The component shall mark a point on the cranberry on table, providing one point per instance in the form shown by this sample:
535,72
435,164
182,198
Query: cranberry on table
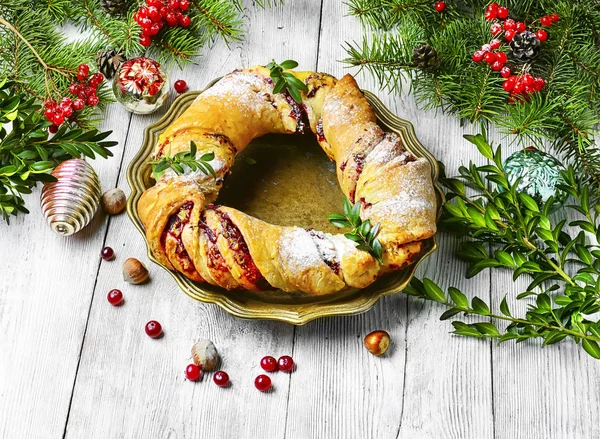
180,86
285,363
440,6
153,329
107,253
268,363
192,372
262,383
221,378
115,297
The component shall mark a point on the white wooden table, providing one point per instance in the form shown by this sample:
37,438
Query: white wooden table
72,366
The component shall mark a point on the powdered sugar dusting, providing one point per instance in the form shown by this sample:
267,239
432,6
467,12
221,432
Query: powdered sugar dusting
299,250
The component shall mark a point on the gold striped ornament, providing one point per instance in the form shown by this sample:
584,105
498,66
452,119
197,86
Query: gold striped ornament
70,203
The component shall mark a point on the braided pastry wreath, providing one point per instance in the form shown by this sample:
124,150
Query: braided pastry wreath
225,247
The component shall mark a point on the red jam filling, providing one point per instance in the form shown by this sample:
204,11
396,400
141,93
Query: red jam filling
215,259
320,133
331,263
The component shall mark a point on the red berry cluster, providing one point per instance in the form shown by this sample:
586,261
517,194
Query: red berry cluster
84,90
158,13
523,84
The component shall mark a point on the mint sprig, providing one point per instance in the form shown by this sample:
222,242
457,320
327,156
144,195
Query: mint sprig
362,232
285,80
184,158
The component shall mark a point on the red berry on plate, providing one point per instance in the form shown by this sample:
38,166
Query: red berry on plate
510,34
546,21
269,364
502,12
440,6
180,86
153,329
53,128
496,28
262,383
115,297
495,43
221,378
541,35
192,372
489,57
501,57
285,363
185,21
505,72
145,40
520,26
509,24
478,56
107,253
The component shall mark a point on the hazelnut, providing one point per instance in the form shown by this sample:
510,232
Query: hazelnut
134,271
205,354
377,342
114,201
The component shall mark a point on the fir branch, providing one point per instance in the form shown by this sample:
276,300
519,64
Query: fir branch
362,233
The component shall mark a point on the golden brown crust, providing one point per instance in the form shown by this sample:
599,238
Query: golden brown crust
228,248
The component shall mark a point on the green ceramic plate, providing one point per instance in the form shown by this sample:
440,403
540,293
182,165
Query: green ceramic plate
285,180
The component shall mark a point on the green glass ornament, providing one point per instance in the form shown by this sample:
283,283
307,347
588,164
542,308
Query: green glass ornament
539,173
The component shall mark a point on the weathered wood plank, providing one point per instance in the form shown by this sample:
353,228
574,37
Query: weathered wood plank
132,386
45,294
431,384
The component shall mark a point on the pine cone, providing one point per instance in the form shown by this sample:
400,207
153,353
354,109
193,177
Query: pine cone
113,7
109,61
524,47
425,57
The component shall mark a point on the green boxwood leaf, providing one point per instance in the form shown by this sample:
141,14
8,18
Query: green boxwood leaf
591,347
479,306
433,291
458,298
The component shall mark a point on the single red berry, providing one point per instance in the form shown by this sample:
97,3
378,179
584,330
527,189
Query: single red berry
492,7
505,72
495,43
262,383
555,17
221,378
73,89
145,40
172,19
115,297
285,363
440,6
154,29
519,87
541,35
185,21
53,128
107,253
497,66
478,56
184,5
510,34
153,329
143,12
68,111
489,16
508,85
520,26
268,363
93,100
496,28
49,114
502,12
156,3
546,21
154,13
486,48
78,104
527,79
173,4
539,83
192,372
501,57
509,24
180,86
489,57
58,119
164,11
84,68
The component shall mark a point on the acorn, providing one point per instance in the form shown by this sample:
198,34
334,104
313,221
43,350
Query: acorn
205,354
377,342
134,271
114,201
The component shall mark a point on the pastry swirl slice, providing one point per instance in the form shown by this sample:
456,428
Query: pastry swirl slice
227,248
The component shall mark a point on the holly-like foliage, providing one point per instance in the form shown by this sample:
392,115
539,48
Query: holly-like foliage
503,229
564,114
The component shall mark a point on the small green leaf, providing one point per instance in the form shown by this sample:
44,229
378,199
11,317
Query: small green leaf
288,64
461,328
482,145
433,291
479,306
458,298
591,347
529,202
449,313
504,307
